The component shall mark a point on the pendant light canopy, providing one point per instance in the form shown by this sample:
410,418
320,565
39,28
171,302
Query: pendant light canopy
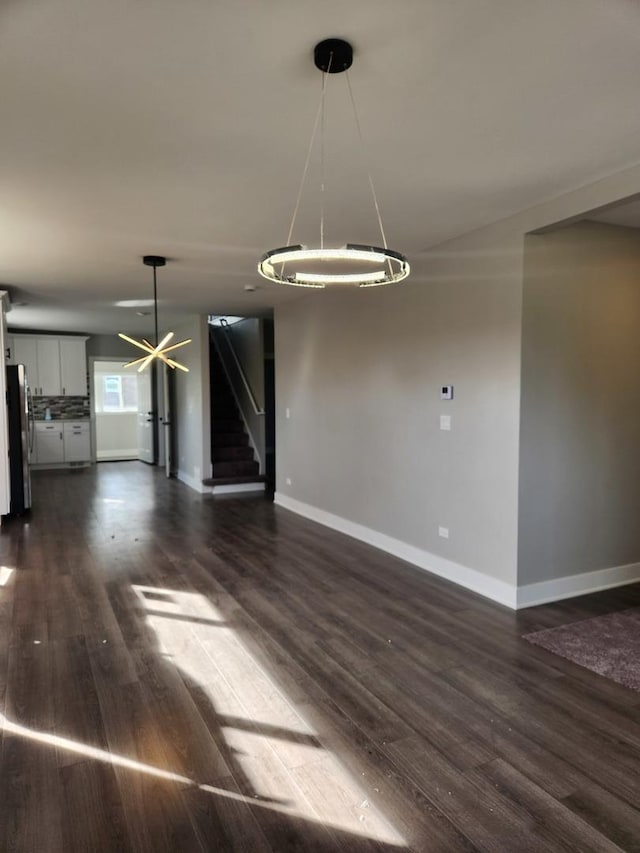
351,264
160,350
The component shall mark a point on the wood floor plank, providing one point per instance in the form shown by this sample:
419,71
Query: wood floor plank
182,672
569,831
92,802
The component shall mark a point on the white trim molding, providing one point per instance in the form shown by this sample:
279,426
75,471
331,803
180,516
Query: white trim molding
496,590
236,488
117,455
574,585
193,483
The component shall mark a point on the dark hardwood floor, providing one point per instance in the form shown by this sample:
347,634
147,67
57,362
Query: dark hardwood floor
184,673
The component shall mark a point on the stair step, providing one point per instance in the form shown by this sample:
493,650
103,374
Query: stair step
224,414
238,468
228,425
228,481
227,404
226,454
230,439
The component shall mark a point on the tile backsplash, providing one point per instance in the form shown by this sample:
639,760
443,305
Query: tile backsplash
61,408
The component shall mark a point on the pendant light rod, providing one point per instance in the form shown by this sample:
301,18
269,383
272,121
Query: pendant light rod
155,261
155,304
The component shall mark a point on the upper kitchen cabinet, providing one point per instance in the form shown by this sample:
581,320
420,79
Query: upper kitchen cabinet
73,367
25,351
48,359
56,366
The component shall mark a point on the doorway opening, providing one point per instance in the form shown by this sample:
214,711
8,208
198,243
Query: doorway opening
123,413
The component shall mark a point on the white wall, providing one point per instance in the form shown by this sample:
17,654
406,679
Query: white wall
580,439
360,373
248,343
116,435
110,346
192,417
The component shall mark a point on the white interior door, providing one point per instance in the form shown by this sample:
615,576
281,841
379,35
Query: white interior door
145,417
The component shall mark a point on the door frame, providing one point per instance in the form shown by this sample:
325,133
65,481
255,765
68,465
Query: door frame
92,396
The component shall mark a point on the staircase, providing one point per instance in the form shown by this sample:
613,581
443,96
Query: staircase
232,457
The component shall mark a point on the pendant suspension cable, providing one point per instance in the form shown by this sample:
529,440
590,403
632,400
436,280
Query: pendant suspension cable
306,165
373,189
322,168
325,74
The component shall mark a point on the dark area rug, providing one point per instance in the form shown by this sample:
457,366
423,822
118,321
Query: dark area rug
608,645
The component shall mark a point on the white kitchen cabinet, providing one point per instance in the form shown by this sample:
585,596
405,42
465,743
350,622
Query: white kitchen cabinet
41,357
25,351
48,355
77,441
73,367
56,366
49,447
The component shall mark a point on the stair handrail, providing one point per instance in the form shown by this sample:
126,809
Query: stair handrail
225,326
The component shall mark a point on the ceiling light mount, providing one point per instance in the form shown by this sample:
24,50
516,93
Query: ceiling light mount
333,56
154,261
353,263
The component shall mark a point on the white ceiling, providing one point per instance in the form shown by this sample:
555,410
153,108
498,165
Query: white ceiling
180,128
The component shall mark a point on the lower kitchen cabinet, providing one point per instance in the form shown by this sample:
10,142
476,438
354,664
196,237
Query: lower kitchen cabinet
62,442
77,441
49,445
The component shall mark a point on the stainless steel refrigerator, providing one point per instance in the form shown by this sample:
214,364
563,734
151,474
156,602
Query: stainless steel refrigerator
21,433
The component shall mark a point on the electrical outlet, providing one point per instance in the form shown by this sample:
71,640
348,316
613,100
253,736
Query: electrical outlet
288,481
445,422
287,413
443,532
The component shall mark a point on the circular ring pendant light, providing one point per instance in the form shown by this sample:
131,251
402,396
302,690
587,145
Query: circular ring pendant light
352,264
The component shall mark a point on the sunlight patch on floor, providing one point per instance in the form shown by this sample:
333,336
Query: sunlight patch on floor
92,752
88,751
5,574
273,746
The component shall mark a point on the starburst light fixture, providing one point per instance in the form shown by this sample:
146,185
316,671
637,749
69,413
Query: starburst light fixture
352,264
160,350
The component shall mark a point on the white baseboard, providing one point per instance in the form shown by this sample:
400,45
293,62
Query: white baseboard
193,483
492,588
574,585
236,488
117,455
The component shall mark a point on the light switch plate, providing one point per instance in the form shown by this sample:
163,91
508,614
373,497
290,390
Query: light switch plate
445,422
446,392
